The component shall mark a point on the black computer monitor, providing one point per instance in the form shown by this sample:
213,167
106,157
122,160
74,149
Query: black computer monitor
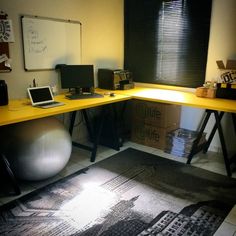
77,77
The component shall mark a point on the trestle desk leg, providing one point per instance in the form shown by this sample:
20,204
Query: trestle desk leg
211,136
10,174
233,115
94,134
223,145
88,124
233,158
72,122
95,131
195,147
115,127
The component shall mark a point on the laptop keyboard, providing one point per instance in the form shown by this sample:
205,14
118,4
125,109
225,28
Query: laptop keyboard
51,104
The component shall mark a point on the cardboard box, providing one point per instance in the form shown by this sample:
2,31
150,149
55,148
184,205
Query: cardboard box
230,64
150,135
156,114
228,71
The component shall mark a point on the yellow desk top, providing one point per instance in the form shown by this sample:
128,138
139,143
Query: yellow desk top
180,98
21,110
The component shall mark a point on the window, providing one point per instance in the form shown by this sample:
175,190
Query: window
166,41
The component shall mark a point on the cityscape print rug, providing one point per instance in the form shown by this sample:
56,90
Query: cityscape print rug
130,193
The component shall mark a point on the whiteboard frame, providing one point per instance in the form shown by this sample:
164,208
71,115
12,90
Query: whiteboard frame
38,67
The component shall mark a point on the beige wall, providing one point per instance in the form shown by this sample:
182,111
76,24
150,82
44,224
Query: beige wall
102,36
222,43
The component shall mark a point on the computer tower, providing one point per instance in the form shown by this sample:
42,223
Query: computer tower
113,132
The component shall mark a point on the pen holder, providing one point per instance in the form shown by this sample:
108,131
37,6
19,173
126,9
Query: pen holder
205,92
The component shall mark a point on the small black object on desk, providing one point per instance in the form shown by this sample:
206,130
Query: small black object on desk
3,93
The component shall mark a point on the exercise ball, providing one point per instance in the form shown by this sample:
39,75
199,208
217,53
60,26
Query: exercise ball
37,149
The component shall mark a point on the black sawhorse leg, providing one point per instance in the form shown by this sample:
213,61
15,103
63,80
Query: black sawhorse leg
233,158
6,166
197,148
96,130
94,134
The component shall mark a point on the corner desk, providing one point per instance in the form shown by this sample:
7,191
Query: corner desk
20,110
213,106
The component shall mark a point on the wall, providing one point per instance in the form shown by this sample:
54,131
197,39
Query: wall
222,44
102,36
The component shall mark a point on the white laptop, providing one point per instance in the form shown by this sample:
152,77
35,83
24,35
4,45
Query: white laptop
42,97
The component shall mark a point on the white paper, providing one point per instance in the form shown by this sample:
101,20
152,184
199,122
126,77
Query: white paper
3,58
7,61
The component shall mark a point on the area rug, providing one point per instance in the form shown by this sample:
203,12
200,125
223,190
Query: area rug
130,193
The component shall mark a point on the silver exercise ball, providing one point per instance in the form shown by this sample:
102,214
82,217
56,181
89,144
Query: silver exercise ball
37,149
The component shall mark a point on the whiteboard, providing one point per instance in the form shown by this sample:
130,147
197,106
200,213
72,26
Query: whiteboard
48,42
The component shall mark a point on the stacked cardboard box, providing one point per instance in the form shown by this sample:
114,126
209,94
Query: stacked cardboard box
179,142
228,71
152,121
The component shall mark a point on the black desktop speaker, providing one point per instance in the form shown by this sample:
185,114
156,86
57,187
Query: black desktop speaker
111,136
106,79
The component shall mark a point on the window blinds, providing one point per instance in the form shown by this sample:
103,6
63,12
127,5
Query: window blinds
166,41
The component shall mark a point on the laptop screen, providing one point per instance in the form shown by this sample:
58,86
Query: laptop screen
40,95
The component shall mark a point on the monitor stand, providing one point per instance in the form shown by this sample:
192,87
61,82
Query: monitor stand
82,90
80,93
75,91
